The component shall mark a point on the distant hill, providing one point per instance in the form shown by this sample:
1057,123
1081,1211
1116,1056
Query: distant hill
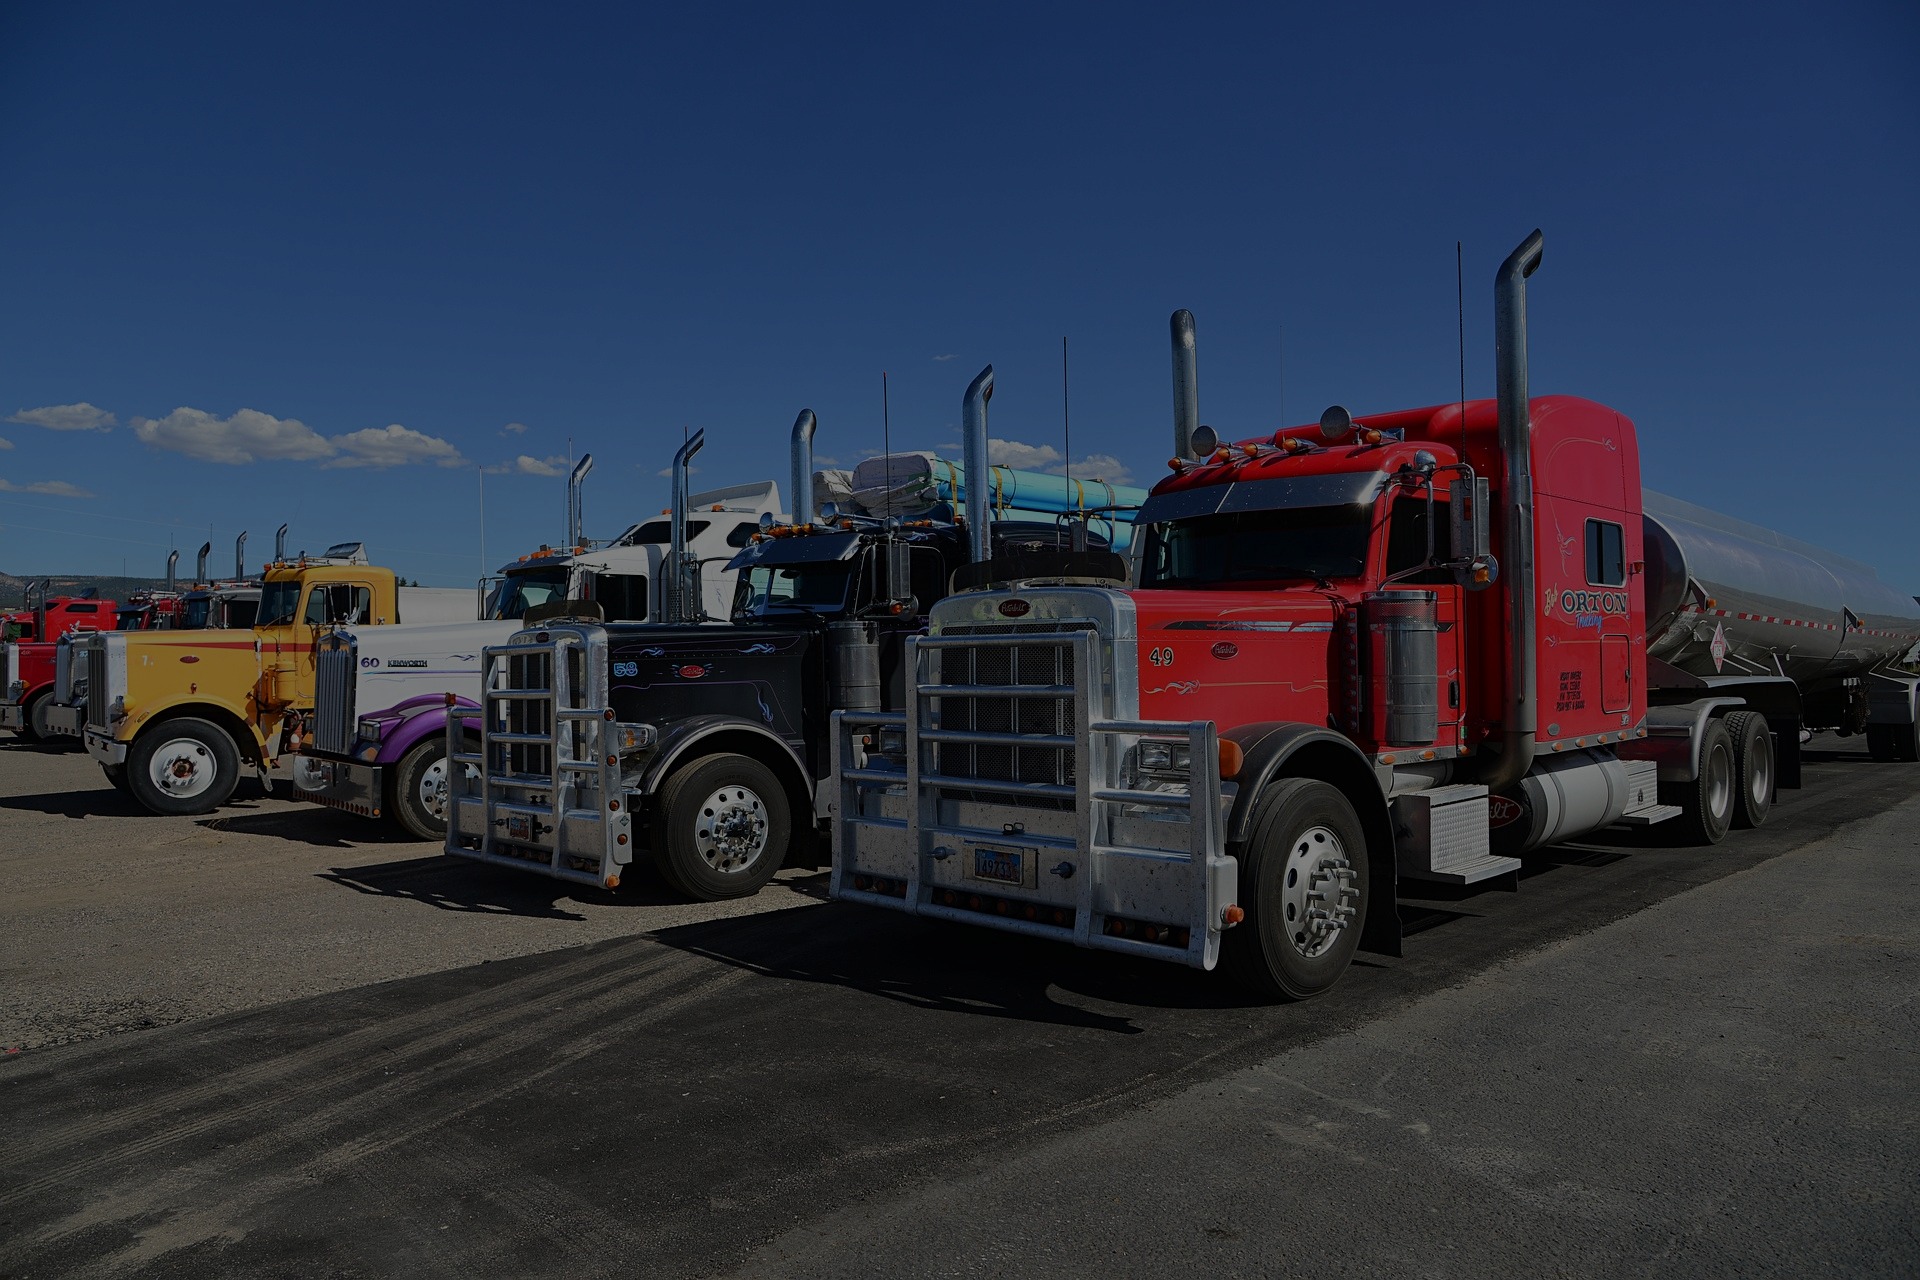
13,587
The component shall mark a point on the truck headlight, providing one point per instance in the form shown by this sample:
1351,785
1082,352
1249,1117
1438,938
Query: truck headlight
1163,757
370,730
631,738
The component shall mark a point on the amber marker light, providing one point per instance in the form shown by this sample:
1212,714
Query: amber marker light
1231,758
1232,914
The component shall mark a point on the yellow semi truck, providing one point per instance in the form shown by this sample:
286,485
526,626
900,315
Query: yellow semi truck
172,716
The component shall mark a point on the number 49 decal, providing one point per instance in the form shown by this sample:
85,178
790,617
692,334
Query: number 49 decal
1161,657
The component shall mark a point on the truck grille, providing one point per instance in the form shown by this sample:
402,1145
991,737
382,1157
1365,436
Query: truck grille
335,667
98,698
1036,664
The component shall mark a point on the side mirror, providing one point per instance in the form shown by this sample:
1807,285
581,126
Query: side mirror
899,582
1470,512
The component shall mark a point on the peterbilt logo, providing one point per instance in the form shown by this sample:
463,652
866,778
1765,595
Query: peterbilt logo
1014,608
691,671
1502,810
1225,649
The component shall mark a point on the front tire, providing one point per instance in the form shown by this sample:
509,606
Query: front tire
1706,803
184,766
721,827
116,774
37,717
31,718
420,789
1752,767
1304,885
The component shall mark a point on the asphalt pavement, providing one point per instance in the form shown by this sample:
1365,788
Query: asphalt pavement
1646,1060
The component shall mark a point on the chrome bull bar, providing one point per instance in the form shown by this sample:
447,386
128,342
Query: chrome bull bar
545,796
1113,866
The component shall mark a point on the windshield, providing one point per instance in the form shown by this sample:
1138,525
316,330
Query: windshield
524,591
194,613
278,602
1303,543
766,590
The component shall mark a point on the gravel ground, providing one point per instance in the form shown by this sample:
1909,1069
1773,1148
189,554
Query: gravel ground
116,920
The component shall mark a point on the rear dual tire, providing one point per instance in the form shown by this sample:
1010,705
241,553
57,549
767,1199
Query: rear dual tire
1708,802
1753,767
1888,743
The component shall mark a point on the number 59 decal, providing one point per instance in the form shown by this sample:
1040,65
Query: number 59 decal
1161,657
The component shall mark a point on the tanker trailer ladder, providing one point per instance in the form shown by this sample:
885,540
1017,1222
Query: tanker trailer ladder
1098,861
546,784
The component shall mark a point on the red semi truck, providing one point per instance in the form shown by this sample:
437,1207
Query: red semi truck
29,658
1411,645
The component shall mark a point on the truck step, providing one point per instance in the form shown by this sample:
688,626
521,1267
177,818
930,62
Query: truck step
1466,871
1648,816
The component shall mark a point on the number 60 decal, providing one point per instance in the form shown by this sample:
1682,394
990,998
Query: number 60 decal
1161,657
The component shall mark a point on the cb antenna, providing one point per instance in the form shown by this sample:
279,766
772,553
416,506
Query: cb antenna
886,447
1066,418
1460,306
1283,375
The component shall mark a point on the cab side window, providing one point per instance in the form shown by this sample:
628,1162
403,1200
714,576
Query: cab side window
1606,554
1407,540
338,604
622,595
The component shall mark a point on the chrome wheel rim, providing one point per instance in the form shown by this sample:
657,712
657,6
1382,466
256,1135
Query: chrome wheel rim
1720,783
730,829
432,792
1318,895
1760,785
183,768
307,774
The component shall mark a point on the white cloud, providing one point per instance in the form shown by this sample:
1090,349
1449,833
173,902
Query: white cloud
514,429
1022,457
951,355
1044,457
66,417
252,436
668,472
248,436
5,443
54,488
393,446
525,465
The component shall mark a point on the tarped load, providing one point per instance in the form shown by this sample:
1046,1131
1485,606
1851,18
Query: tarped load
923,485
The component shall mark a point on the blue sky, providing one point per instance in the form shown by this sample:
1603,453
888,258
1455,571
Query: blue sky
388,232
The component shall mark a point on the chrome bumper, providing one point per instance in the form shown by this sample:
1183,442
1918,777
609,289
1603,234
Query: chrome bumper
12,716
340,784
105,748
66,722
1106,866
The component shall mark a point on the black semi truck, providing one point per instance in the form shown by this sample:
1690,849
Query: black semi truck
705,746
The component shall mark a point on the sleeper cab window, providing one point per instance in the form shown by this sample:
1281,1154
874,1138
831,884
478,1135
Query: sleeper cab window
1606,554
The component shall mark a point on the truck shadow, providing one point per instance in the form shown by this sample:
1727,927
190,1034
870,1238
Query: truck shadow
45,747
449,884
101,802
314,825
943,967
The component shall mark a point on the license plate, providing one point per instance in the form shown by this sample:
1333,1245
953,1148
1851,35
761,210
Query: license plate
520,826
1001,866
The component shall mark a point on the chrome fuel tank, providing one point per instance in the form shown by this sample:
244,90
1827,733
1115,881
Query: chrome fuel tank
1778,606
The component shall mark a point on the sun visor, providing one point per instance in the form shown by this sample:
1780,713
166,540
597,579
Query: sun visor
1275,494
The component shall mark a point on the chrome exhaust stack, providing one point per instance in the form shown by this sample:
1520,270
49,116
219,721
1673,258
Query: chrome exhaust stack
576,509
682,577
801,476
280,544
1516,450
173,561
200,564
240,555
973,460
1186,384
